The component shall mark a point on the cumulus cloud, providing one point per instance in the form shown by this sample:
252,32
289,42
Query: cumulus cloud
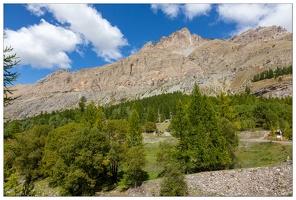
40,45
36,9
170,10
189,10
85,20
46,45
193,10
247,16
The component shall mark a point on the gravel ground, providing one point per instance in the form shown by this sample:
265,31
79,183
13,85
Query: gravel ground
270,181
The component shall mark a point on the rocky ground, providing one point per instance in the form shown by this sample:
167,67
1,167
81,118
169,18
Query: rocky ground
273,181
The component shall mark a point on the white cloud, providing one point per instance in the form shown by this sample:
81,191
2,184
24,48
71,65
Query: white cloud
247,16
85,20
46,45
40,45
171,10
36,9
189,10
194,10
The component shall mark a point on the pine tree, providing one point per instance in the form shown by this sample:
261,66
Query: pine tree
9,61
201,144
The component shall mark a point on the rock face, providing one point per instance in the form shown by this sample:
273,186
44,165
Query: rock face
173,63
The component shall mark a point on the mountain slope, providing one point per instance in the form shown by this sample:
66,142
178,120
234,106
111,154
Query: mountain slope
173,63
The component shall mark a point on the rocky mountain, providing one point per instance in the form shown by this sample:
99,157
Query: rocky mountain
173,63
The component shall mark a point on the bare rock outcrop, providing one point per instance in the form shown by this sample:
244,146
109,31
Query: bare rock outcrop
262,34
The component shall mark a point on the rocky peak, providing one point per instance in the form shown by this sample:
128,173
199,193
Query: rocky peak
147,46
262,34
178,42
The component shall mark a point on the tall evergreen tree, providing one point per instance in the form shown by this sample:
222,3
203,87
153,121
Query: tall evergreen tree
135,157
93,116
9,61
202,145
134,134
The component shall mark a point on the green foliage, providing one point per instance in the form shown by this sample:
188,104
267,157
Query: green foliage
247,90
173,182
201,143
82,152
82,104
93,116
150,127
28,186
167,154
134,134
12,186
229,132
133,166
152,115
9,61
30,150
268,74
54,142
134,158
81,164
116,130
225,110
149,109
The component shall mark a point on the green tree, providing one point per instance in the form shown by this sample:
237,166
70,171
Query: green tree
151,115
82,104
173,182
202,145
150,127
134,134
54,142
135,157
9,61
116,131
81,168
247,90
225,110
93,116
31,145
135,161
229,132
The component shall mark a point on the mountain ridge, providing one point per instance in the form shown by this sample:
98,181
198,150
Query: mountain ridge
173,63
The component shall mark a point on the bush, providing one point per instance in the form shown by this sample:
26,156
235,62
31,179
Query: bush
173,183
150,127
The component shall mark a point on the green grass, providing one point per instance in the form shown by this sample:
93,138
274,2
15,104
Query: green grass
248,154
151,143
163,126
152,167
261,154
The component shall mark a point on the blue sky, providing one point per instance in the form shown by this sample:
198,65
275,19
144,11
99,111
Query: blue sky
47,37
